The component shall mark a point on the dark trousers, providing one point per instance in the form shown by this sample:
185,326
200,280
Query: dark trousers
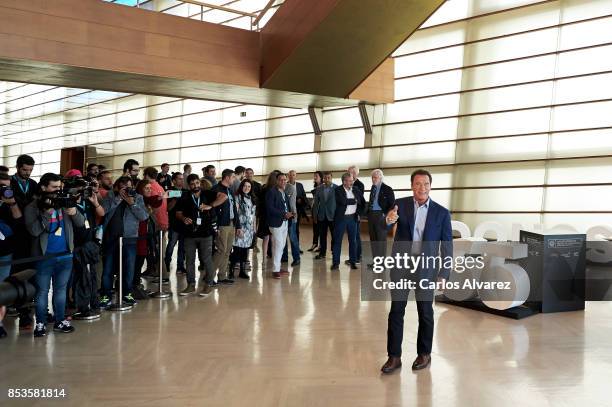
239,256
203,246
138,270
395,327
358,239
111,265
175,237
315,233
348,224
378,233
153,251
85,287
324,226
297,225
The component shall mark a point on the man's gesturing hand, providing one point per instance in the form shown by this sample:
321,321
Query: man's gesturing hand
392,216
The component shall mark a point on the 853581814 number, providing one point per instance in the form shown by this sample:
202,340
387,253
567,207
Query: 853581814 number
36,393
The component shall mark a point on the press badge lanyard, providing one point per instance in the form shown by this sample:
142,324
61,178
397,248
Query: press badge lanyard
82,207
197,204
58,229
27,185
82,210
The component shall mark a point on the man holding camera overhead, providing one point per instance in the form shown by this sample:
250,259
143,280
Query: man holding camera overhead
51,219
124,210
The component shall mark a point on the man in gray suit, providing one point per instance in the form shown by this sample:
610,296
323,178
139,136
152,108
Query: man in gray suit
324,208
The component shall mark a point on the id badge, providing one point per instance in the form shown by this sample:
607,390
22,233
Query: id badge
199,221
2,237
86,224
58,232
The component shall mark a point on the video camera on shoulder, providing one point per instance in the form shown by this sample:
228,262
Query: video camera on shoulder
63,199
73,189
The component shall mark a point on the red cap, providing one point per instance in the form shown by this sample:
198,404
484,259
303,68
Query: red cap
73,173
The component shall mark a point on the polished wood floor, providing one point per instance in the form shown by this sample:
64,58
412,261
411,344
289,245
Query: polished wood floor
308,340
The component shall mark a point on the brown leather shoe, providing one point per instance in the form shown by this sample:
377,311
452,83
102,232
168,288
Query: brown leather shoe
391,364
421,362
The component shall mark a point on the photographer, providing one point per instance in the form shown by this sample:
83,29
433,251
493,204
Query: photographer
146,230
86,252
50,221
124,210
86,193
10,220
24,188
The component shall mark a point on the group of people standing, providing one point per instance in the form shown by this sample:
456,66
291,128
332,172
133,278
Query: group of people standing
340,209
217,221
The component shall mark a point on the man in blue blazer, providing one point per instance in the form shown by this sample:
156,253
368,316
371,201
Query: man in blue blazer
278,215
423,229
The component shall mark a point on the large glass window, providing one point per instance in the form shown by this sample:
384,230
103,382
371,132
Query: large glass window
507,102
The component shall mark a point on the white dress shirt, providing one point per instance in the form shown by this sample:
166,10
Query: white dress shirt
350,209
420,216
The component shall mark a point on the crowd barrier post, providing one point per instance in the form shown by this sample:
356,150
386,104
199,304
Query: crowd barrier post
161,293
119,305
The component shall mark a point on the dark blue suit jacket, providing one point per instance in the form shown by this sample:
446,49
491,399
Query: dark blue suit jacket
437,235
275,208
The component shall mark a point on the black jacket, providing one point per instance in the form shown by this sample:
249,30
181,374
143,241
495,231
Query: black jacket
301,200
164,180
359,185
223,210
386,198
23,195
342,201
9,228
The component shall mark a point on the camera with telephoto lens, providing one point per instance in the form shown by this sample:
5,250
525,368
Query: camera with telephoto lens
63,199
73,188
131,192
6,192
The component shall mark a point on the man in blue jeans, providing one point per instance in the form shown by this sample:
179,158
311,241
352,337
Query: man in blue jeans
51,224
349,204
124,210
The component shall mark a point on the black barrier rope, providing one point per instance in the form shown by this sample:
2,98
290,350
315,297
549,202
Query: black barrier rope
55,255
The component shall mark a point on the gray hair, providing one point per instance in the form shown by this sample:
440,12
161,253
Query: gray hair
379,172
354,167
